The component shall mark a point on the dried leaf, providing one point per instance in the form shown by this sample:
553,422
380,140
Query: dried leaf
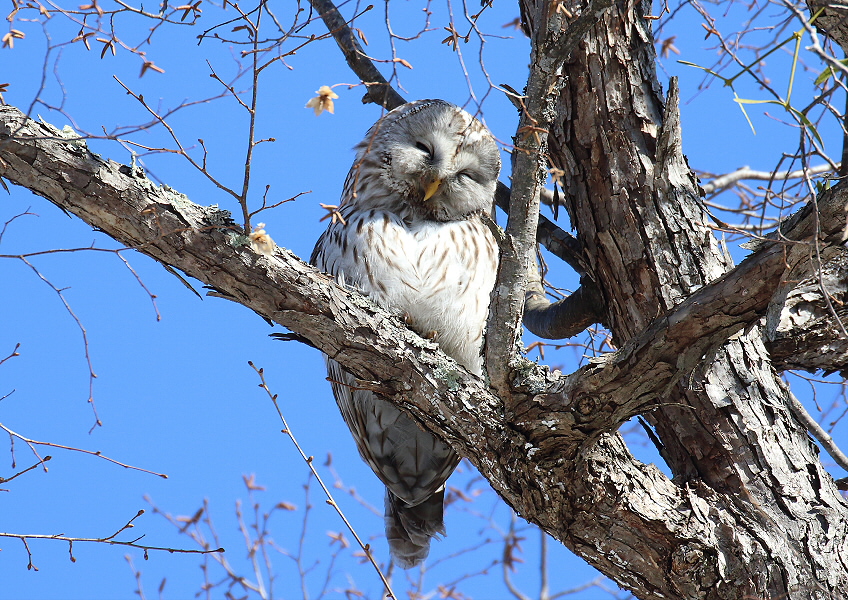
668,46
93,5
338,537
107,45
323,101
250,483
11,36
149,65
261,242
333,212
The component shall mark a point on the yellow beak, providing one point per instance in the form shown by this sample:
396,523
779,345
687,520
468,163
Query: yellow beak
431,189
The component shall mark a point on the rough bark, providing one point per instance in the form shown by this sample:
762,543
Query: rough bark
805,327
728,424
832,20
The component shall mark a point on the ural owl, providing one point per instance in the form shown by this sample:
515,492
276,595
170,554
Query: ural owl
413,240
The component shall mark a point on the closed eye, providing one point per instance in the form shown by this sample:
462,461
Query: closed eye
424,148
469,175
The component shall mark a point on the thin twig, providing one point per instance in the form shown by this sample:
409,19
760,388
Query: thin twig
102,540
816,430
721,182
33,443
330,500
12,355
91,375
379,90
28,469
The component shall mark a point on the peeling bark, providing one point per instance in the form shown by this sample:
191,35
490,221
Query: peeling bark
805,326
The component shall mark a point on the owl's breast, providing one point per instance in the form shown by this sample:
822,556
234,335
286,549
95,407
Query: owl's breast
437,275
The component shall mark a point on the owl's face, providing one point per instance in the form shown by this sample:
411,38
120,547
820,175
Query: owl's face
431,156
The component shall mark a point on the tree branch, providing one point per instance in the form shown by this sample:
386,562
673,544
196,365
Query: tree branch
564,318
376,346
802,331
560,243
517,256
722,182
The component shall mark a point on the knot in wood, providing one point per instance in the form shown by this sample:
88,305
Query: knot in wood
690,562
586,404
684,557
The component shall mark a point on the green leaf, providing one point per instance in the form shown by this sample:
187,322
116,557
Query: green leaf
746,101
825,75
830,72
710,71
744,112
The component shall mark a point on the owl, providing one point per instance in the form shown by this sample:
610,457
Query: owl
413,238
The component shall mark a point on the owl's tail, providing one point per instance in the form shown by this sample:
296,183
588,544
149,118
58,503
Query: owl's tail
409,528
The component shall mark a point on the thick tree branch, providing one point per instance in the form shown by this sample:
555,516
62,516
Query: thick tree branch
205,244
564,318
571,315
808,314
725,424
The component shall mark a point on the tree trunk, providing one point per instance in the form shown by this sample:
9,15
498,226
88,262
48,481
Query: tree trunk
728,425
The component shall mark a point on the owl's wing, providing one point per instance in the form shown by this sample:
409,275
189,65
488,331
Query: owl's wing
412,462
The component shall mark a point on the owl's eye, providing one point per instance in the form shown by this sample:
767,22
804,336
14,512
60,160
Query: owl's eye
468,175
424,148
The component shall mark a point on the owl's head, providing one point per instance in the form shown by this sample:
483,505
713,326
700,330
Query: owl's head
434,158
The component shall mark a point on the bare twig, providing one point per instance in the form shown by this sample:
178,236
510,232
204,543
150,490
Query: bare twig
180,149
721,182
33,443
330,500
139,589
12,355
141,283
91,375
110,540
818,432
17,216
27,470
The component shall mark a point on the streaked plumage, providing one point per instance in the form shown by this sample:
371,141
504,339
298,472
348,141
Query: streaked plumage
413,240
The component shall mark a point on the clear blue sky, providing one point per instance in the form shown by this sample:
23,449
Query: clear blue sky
177,396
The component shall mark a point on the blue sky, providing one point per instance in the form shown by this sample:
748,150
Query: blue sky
177,396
